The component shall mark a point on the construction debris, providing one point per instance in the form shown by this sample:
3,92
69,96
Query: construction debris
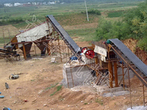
8,53
25,100
53,60
1,96
6,108
13,76
6,85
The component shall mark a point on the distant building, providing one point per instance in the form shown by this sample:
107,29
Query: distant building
34,3
29,3
18,4
8,4
51,3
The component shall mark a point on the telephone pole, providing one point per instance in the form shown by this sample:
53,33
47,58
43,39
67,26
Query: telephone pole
86,10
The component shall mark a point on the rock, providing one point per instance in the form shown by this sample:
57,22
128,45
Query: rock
44,105
34,100
53,60
12,76
40,92
6,85
14,102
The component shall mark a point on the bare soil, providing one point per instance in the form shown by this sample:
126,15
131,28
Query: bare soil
8,30
34,88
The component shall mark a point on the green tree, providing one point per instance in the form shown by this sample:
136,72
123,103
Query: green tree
133,25
103,30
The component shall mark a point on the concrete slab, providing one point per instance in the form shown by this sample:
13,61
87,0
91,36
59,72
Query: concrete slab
85,89
113,94
138,108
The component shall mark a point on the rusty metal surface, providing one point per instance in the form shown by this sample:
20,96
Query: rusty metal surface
131,56
64,34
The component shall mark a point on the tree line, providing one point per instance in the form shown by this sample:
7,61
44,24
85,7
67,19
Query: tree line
10,21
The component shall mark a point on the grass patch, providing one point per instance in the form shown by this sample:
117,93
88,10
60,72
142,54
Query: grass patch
99,101
61,98
115,14
75,19
52,86
116,6
92,11
5,40
20,25
84,34
85,103
58,89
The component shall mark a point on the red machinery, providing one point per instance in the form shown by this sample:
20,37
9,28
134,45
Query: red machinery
88,52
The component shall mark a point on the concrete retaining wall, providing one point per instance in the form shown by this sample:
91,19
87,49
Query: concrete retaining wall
76,75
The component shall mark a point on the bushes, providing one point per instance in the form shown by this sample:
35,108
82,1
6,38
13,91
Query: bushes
133,25
143,43
11,21
93,11
108,29
15,20
115,14
103,30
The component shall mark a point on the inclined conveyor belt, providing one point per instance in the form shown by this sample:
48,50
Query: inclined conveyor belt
131,56
3,50
64,34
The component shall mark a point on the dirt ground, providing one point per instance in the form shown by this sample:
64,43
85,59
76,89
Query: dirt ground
37,82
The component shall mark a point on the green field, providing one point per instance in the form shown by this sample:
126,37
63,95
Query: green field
66,15
115,14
